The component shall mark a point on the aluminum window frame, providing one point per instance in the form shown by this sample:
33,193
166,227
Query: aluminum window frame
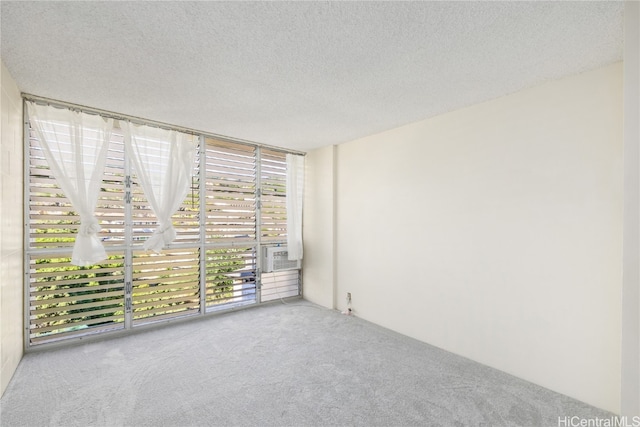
128,247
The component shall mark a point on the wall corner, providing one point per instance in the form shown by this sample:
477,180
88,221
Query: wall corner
319,227
630,363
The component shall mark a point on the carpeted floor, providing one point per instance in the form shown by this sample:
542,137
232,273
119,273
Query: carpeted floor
274,365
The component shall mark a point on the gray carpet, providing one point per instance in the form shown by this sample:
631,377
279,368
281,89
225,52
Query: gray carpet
273,365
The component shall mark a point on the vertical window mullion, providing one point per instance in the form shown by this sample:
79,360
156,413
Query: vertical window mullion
128,251
259,224
202,194
27,225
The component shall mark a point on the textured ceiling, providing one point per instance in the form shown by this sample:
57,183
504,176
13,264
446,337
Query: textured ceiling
299,75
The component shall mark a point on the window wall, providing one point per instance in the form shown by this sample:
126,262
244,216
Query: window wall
235,206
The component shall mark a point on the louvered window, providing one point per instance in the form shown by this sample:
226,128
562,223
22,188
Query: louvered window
274,192
235,206
186,220
53,222
280,284
66,300
230,192
165,285
231,277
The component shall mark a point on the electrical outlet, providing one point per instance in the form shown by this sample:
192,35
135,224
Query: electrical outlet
348,296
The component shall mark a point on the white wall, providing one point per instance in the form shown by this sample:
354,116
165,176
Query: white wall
11,230
319,227
630,392
495,232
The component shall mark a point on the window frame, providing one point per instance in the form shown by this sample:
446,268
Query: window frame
236,283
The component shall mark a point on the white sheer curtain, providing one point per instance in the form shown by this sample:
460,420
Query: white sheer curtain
163,161
75,145
295,187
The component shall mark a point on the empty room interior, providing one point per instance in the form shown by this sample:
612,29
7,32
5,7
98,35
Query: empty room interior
320,213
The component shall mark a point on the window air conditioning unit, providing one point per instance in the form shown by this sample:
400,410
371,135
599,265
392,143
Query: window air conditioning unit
276,258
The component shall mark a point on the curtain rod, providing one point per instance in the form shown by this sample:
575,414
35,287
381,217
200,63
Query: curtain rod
153,123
